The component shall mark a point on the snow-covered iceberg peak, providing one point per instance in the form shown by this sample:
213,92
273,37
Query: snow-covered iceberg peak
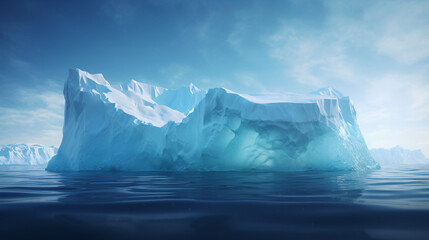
142,91
23,154
182,99
329,92
144,127
91,93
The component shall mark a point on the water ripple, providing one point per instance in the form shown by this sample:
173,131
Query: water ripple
329,205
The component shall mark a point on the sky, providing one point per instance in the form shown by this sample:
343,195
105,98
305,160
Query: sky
376,52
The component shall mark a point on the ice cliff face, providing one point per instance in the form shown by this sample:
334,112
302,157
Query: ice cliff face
398,155
22,154
143,127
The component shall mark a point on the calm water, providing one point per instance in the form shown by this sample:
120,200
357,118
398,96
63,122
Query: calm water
391,203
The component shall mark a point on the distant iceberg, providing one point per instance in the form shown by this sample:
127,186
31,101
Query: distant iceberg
142,127
398,155
23,154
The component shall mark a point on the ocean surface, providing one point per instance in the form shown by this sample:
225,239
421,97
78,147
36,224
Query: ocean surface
389,203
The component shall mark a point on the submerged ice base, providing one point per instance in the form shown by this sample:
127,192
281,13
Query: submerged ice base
143,127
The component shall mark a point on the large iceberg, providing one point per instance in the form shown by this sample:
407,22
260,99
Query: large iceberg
137,126
23,154
398,156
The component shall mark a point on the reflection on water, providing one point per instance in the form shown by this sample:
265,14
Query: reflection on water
381,204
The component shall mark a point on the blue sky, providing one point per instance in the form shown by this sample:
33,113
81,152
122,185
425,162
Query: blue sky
377,52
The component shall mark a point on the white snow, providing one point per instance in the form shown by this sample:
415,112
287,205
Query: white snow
23,154
398,156
144,127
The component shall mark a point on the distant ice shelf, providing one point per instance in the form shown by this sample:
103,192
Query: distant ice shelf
23,154
143,127
398,156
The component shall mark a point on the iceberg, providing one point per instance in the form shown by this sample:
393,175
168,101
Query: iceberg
398,156
23,154
140,127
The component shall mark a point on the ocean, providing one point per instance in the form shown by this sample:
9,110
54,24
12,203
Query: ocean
388,203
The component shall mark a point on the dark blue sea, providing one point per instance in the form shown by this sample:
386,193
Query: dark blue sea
389,203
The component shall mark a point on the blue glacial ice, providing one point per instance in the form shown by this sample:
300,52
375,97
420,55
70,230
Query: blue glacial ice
137,126
23,154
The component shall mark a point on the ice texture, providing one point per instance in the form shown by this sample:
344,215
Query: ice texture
23,154
142,127
398,156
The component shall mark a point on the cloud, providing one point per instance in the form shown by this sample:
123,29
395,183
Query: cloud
239,31
175,74
402,30
120,12
349,35
310,57
249,81
203,29
393,111
395,29
40,122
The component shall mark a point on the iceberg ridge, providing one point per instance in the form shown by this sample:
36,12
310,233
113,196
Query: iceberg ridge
144,127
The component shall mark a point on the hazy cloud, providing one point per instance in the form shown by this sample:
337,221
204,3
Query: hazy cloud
39,123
